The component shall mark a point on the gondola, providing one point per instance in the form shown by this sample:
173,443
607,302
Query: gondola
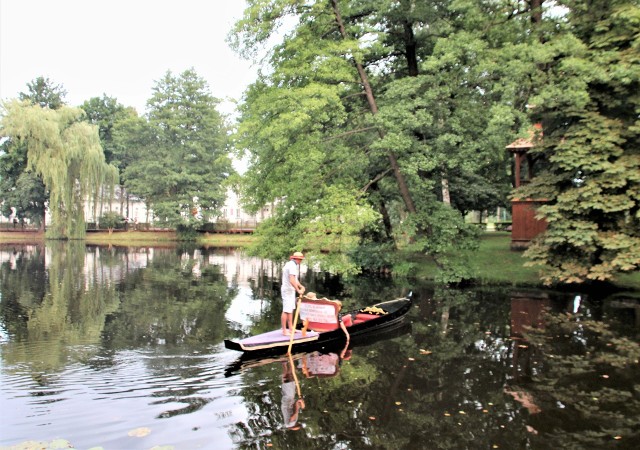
324,326
251,360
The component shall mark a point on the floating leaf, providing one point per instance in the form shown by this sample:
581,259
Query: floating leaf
412,359
59,443
140,432
372,418
425,352
39,445
398,403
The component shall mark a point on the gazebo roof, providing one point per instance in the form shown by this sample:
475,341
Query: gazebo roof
523,144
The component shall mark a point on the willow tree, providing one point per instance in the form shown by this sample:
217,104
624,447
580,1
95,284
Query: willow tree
20,188
65,151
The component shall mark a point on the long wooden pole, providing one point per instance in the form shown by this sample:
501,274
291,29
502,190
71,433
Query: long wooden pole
293,326
295,376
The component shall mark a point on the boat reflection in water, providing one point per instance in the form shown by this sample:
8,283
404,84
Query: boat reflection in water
317,364
310,365
343,352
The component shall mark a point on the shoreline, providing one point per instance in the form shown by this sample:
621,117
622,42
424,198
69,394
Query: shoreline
494,262
122,238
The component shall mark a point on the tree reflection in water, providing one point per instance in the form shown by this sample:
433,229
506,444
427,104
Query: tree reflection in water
588,393
135,335
475,372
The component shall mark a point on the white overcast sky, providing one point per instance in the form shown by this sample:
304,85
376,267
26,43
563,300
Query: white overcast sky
119,47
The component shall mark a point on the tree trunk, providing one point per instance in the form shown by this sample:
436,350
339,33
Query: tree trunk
402,184
386,220
446,195
536,11
410,47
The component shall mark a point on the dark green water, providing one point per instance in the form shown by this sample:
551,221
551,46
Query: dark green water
122,349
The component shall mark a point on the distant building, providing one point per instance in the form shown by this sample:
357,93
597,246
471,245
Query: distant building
136,211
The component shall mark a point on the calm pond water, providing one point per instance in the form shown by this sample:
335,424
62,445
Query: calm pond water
123,349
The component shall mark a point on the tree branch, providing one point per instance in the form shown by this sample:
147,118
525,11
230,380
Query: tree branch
348,133
375,180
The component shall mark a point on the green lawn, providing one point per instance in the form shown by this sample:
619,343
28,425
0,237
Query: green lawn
133,238
137,238
496,263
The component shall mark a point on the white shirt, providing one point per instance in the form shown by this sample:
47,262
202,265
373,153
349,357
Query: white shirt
290,268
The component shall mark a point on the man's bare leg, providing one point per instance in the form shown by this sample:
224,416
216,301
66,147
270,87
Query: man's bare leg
290,323
285,318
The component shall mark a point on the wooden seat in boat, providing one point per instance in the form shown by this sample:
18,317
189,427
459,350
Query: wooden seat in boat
319,314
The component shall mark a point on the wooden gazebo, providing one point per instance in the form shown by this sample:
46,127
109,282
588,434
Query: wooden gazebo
524,225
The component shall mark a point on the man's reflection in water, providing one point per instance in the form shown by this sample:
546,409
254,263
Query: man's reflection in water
290,405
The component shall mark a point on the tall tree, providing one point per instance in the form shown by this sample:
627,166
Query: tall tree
589,106
44,92
132,140
65,151
20,188
105,112
382,90
181,174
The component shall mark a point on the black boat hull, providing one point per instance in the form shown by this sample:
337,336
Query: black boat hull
396,312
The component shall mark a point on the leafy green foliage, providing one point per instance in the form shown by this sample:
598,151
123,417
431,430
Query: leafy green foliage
110,220
179,162
309,116
104,113
591,181
448,84
45,93
21,188
65,151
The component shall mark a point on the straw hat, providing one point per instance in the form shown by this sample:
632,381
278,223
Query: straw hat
297,255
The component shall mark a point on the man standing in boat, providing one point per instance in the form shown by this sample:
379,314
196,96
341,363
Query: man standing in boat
290,285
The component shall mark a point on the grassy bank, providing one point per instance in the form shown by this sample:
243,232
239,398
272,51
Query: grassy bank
132,238
496,263
493,263
149,238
